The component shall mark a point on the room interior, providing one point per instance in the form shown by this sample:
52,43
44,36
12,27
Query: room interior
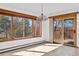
42,25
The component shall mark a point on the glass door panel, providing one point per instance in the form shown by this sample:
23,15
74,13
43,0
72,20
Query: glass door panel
57,31
68,28
69,31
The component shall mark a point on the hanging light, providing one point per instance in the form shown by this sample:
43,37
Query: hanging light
43,17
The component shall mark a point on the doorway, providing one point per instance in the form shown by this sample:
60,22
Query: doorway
58,31
64,30
69,34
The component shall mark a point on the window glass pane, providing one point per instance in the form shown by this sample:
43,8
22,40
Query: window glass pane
18,27
5,22
28,27
8,27
2,28
57,23
68,23
71,23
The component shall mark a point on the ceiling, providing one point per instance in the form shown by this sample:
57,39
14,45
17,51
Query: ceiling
35,8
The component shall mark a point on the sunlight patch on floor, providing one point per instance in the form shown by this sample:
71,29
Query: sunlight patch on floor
27,53
38,50
53,44
45,47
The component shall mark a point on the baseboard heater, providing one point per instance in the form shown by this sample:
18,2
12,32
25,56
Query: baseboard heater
19,46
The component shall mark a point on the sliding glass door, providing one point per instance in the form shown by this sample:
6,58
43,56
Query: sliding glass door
68,27
64,31
58,31
69,34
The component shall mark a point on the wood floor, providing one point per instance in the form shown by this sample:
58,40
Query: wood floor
44,49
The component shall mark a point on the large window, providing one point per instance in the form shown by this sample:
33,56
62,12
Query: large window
13,28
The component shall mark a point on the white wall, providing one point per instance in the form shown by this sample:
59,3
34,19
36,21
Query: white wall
8,44
45,30
51,30
77,30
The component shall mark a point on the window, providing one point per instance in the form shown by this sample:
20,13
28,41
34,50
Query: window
28,28
8,27
17,26
5,22
22,27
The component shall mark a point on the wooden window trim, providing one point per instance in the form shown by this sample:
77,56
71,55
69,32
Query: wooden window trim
13,13
57,16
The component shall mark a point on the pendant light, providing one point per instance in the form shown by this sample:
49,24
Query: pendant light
43,17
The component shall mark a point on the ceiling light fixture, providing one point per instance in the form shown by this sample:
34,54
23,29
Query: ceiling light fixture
43,17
